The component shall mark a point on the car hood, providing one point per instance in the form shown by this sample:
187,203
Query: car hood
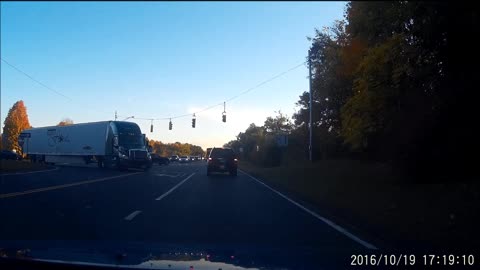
133,255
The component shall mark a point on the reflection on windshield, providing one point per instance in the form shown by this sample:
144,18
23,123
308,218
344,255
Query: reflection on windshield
131,141
193,264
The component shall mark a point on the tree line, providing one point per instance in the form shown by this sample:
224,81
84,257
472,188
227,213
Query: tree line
17,121
177,148
391,82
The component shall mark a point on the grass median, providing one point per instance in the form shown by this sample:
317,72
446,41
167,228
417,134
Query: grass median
12,166
370,197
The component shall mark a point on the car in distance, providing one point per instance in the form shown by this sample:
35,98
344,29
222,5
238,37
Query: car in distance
222,159
163,160
7,154
183,159
208,153
174,158
156,158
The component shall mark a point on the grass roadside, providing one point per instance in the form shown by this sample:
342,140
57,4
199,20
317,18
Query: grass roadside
12,166
368,196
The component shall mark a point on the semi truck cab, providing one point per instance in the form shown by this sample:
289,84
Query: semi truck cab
111,144
130,148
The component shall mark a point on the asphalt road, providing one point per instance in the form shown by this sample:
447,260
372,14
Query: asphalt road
175,204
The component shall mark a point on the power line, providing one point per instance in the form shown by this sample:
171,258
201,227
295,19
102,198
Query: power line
42,84
178,116
266,81
33,79
232,98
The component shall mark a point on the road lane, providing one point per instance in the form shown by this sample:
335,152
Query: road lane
50,188
61,176
323,219
175,187
90,211
199,211
232,210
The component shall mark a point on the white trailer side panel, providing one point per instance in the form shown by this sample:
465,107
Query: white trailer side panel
78,139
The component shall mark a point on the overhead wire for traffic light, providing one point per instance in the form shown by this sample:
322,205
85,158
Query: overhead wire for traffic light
224,114
171,117
230,99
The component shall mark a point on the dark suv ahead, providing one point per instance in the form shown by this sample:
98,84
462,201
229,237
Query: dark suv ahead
222,160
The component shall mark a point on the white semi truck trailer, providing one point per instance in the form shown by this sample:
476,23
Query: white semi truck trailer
112,144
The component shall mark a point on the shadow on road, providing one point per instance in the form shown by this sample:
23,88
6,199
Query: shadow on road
220,176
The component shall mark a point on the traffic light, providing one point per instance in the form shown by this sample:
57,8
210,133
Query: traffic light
193,122
170,125
224,114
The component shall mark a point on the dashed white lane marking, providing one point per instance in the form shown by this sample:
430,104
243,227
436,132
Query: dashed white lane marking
15,194
325,220
49,170
168,175
132,215
175,187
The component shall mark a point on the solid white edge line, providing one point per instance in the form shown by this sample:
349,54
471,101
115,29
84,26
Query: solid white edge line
132,215
325,220
175,187
49,170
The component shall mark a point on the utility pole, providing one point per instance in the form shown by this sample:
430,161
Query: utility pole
310,146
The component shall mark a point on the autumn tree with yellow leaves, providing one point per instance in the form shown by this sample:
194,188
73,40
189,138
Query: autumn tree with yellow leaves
15,123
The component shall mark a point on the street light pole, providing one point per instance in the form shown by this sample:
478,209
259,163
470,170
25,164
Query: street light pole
310,146
128,118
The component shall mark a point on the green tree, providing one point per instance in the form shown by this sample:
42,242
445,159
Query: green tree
280,124
331,87
381,79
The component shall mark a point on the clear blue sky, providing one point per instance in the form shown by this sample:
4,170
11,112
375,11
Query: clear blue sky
158,59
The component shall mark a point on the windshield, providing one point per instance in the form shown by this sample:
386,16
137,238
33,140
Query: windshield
222,153
258,134
131,141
